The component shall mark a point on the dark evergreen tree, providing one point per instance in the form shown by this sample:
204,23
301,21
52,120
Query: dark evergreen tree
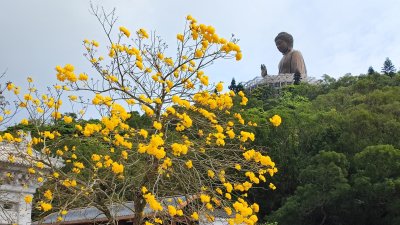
239,87
232,87
371,70
296,78
236,88
388,68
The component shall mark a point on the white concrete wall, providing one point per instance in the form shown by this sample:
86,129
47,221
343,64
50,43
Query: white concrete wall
20,213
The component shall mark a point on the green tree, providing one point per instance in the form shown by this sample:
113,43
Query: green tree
388,68
371,70
376,187
323,184
232,86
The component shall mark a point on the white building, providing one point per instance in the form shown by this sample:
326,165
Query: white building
16,183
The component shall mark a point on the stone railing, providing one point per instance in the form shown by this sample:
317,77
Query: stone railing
276,81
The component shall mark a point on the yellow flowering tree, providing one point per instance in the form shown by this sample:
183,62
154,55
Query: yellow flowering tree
7,108
196,147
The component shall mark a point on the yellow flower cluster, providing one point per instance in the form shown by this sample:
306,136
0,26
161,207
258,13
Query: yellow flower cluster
203,78
229,47
207,32
119,110
90,129
174,212
66,73
244,136
125,31
245,214
239,118
157,125
48,194
68,119
219,87
167,162
121,141
117,168
99,100
189,164
44,206
178,149
151,200
154,147
195,216
276,120
28,199
142,33
263,160
175,99
253,178
244,98
147,110
69,183
213,101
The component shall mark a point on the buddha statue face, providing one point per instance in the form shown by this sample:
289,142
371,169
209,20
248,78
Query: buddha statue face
282,46
284,42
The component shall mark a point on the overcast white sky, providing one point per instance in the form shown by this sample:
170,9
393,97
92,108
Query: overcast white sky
335,37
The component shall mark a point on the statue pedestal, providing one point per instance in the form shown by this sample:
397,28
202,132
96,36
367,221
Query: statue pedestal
276,81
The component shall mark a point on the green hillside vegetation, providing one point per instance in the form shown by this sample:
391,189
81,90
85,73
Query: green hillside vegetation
338,151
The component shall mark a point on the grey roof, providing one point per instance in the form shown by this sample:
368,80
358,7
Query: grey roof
120,211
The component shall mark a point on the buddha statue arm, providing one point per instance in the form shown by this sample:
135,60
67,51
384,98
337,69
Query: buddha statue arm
297,63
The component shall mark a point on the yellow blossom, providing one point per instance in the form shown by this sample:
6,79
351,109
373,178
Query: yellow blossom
172,210
195,216
238,167
125,31
219,87
10,86
238,56
124,154
40,165
67,119
83,77
189,164
179,37
143,133
95,43
157,125
48,194
143,33
276,120
117,168
45,206
24,122
210,173
153,203
144,190
28,199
